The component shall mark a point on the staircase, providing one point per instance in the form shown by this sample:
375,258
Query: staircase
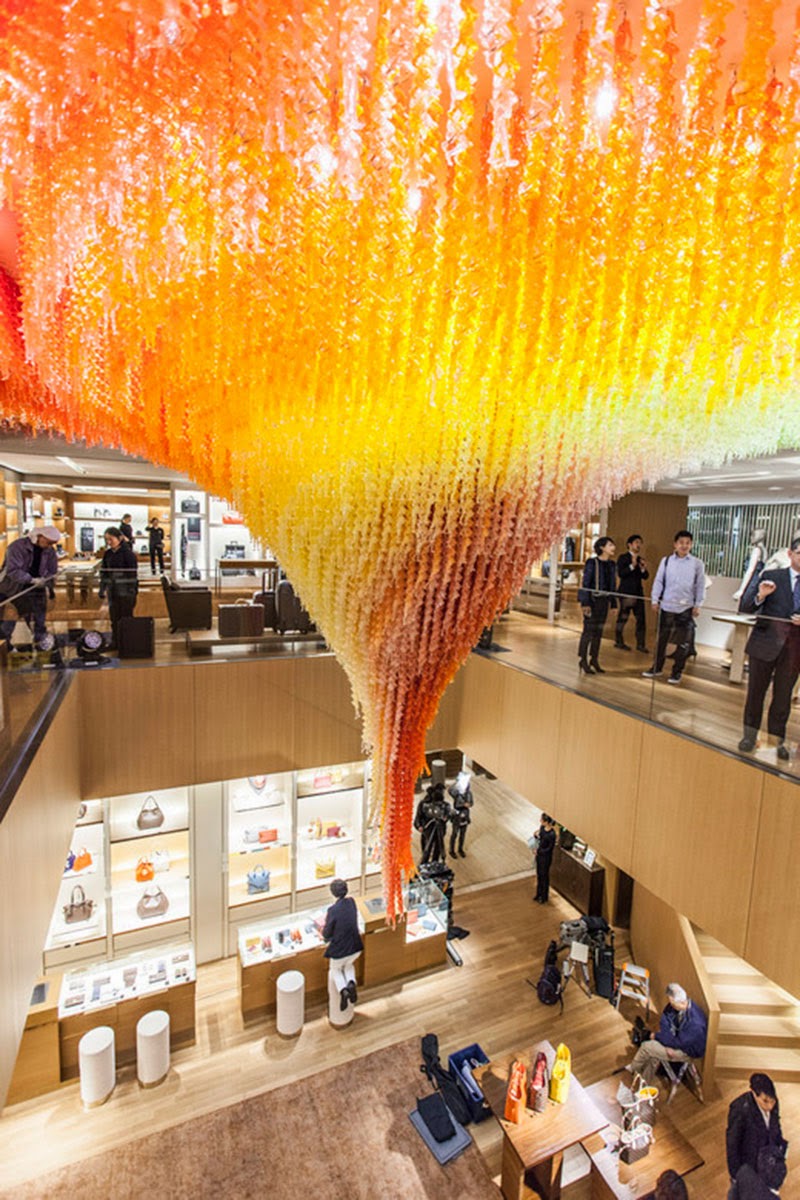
759,1023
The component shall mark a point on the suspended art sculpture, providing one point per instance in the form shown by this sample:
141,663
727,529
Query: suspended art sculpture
412,284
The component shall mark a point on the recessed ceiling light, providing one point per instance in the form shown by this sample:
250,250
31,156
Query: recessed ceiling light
73,466
774,488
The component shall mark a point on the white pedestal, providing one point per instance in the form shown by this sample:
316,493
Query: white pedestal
97,1066
152,1048
438,770
291,1002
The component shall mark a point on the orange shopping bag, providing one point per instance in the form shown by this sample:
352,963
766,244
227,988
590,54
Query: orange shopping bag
515,1096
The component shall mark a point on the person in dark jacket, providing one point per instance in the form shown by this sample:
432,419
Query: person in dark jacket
126,529
681,1035
632,572
30,567
544,857
754,1122
595,597
460,816
119,581
765,1182
773,649
156,535
670,1186
342,934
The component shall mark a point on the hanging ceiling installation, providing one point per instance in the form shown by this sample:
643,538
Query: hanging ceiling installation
414,284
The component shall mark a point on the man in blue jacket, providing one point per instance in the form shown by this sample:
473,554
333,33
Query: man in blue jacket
681,1035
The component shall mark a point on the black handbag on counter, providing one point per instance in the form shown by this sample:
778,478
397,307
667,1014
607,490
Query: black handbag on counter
190,505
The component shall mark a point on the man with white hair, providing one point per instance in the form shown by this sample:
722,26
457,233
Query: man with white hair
681,1035
27,576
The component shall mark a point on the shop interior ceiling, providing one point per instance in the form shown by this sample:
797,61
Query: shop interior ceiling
415,286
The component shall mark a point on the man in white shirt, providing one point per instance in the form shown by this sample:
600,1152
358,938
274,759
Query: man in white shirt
678,593
774,650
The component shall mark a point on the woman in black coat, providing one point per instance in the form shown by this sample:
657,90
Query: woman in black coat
342,934
595,597
544,857
119,580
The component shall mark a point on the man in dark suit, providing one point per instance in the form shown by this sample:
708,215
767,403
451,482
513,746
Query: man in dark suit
632,571
774,650
753,1123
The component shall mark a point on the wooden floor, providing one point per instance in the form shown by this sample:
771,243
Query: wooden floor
487,1000
705,705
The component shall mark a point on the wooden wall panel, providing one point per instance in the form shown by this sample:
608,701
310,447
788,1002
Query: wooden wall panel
696,826
773,929
34,839
530,721
662,940
482,710
446,729
326,729
244,719
656,517
598,776
137,729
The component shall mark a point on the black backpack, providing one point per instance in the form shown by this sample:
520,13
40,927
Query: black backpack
551,985
443,1079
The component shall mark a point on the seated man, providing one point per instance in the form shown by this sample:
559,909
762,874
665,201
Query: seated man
681,1035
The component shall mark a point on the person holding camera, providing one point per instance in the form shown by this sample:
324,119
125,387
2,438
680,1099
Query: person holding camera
596,596
681,1035
773,649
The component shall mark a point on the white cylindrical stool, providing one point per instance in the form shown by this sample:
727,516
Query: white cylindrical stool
97,1065
152,1048
438,770
335,1015
291,997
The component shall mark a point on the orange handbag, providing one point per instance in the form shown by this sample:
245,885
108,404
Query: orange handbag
144,870
267,835
515,1096
83,859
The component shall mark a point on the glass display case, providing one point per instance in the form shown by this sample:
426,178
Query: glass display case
101,984
280,937
190,532
330,809
260,834
149,851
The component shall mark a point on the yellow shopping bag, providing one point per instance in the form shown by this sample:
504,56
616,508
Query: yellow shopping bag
559,1079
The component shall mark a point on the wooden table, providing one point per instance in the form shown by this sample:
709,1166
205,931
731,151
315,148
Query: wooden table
538,1143
203,641
611,1178
742,625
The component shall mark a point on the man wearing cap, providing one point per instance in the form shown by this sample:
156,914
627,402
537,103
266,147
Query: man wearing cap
30,567
681,1035
754,1121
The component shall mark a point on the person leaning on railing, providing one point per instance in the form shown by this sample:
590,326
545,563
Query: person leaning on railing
773,649
27,576
118,579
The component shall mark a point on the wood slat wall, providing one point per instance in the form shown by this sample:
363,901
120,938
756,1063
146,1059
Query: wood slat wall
34,840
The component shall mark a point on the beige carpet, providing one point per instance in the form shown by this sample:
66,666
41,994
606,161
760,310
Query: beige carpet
344,1135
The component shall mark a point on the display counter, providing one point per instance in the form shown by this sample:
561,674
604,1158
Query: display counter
294,942
118,993
579,883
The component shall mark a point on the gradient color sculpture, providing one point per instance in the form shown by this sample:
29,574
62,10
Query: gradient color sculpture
412,284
